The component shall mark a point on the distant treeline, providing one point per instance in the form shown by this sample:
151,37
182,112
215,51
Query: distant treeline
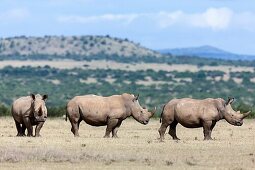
154,87
166,58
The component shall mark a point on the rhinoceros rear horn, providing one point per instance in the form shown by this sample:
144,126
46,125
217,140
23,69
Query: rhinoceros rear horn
246,114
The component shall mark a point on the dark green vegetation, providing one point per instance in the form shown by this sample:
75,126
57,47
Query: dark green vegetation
155,88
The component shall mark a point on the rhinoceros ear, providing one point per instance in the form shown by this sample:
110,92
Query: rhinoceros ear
45,97
230,100
32,96
136,97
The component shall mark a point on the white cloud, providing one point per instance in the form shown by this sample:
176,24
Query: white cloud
14,15
212,18
167,19
125,18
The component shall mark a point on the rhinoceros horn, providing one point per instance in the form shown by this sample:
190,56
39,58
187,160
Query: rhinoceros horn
246,114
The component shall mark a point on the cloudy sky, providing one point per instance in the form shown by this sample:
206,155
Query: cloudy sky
156,24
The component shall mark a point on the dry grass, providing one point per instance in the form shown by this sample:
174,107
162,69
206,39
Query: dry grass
137,147
102,64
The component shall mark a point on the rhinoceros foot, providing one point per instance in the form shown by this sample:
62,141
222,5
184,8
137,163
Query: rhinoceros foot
21,134
175,138
208,138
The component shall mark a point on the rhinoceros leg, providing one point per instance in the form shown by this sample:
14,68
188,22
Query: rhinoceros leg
208,127
75,127
19,129
115,129
23,130
111,124
28,125
38,128
162,130
172,130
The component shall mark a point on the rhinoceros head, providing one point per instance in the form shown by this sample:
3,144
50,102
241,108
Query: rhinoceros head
139,113
39,107
231,116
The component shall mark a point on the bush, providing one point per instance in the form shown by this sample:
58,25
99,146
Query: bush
4,110
56,111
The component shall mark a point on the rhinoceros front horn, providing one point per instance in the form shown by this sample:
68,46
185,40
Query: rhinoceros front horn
246,114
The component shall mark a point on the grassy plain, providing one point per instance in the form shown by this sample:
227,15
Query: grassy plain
136,148
103,64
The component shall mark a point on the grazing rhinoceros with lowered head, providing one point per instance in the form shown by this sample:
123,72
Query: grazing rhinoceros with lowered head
28,111
101,111
192,113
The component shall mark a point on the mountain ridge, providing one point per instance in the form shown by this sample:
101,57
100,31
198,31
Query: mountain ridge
206,51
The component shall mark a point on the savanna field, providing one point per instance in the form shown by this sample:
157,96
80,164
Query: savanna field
136,148
64,67
139,67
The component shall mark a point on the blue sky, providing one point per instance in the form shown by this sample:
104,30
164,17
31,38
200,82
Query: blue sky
156,24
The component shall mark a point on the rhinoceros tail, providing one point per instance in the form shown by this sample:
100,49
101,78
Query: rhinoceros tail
66,116
66,113
160,119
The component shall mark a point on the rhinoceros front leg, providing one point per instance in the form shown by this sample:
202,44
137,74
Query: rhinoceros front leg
111,124
115,129
208,127
28,125
38,128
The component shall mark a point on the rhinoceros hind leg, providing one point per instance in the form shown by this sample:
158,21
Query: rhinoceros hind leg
162,131
111,124
75,128
172,130
208,127
28,125
115,129
23,129
19,129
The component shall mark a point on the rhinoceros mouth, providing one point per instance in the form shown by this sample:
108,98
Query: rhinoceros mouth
238,123
40,119
145,122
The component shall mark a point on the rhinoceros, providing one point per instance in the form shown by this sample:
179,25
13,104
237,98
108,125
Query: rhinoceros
29,111
192,113
100,111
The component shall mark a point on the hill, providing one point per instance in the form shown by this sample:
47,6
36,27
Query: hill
207,52
72,46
